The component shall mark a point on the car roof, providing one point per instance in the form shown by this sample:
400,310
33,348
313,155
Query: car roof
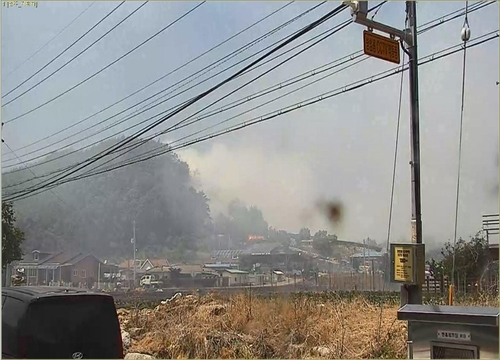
29,293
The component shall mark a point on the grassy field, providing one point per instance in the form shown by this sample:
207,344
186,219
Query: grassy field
327,325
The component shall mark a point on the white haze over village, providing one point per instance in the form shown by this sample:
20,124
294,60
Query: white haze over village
340,149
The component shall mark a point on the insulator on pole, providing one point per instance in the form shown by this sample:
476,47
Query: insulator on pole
465,33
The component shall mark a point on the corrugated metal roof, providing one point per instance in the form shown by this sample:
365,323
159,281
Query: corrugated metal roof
217,266
234,271
368,253
226,253
264,248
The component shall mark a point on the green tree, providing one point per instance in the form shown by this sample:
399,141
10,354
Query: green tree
98,212
280,236
471,259
12,236
241,222
305,234
324,243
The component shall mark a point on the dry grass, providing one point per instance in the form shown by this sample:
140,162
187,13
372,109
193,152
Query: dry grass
243,327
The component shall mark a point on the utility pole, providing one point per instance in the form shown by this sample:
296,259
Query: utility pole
411,294
134,249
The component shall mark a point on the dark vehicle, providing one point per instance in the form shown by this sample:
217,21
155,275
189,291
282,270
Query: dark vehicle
48,322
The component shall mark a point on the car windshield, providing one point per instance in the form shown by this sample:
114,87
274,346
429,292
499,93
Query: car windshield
81,326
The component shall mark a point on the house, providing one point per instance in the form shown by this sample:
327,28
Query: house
73,269
233,277
219,266
142,266
369,258
228,256
278,275
264,257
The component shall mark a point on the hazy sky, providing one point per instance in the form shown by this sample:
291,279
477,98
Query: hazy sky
339,149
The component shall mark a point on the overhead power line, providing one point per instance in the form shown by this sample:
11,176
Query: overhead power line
341,90
236,103
134,146
353,86
116,147
73,58
423,28
107,66
48,42
209,67
31,171
150,106
438,55
61,53
440,19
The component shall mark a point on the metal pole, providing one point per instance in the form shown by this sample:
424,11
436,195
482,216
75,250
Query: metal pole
99,276
412,294
134,255
364,264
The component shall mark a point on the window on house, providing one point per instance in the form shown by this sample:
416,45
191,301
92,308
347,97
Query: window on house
75,272
235,279
36,256
84,274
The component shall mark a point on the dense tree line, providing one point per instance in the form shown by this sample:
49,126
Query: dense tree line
97,213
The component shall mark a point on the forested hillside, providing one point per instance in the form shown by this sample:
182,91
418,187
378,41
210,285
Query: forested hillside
97,213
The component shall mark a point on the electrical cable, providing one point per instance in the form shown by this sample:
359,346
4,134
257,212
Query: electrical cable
276,87
216,63
69,47
48,42
113,148
64,169
176,127
393,183
440,21
465,37
31,171
151,106
142,142
353,86
74,57
338,91
254,68
104,68
380,7
474,7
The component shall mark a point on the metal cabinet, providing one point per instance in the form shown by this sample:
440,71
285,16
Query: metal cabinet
451,332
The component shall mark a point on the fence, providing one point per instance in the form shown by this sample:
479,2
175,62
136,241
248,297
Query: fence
345,281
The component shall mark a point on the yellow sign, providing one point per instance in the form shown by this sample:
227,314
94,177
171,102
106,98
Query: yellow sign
403,264
381,47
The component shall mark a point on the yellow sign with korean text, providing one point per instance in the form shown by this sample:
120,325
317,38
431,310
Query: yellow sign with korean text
381,47
403,264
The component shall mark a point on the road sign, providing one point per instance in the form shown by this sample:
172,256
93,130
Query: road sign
381,47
